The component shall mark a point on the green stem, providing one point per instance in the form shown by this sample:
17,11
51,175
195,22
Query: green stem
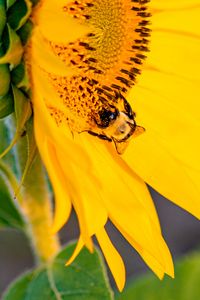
37,208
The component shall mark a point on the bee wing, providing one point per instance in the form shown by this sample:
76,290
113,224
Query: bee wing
138,130
121,146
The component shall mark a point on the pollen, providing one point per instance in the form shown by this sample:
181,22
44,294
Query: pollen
106,61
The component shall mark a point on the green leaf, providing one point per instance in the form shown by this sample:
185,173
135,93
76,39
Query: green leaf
84,279
6,105
13,47
2,16
185,286
19,13
9,213
22,113
18,290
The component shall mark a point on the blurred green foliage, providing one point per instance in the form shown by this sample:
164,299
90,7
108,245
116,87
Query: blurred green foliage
185,286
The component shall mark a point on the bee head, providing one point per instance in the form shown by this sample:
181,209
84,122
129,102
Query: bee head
122,128
107,117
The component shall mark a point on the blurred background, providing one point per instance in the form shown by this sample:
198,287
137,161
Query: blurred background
180,230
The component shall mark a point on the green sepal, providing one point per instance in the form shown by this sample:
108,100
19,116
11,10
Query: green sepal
23,112
23,109
10,215
6,105
35,2
4,80
10,3
2,16
84,279
4,77
31,151
25,32
13,47
18,13
6,130
20,78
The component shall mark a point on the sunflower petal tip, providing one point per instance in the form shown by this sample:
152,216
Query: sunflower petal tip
76,252
54,228
121,283
171,274
91,248
68,263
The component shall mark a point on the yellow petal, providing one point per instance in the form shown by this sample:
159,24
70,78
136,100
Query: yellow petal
81,190
176,129
182,20
43,122
130,207
56,25
113,258
174,96
175,53
42,56
173,4
194,175
76,252
118,181
63,203
61,137
86,200
152,162
73,171
160,263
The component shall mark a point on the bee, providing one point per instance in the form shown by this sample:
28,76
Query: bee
117,125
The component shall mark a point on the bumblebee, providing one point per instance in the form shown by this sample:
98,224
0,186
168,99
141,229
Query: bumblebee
117,125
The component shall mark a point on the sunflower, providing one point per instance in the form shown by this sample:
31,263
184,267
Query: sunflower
115,97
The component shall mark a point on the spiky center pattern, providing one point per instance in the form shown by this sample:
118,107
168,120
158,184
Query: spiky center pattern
106,61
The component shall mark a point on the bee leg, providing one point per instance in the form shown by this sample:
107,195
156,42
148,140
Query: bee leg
128,108
100,136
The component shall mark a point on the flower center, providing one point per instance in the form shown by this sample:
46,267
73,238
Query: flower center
106,62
